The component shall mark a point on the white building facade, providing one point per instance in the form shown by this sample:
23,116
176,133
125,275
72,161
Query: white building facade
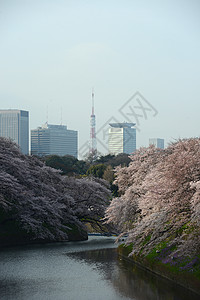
14,124
157,142
54,140
122,138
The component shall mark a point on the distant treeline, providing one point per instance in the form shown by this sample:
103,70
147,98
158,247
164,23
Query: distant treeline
99,167
69,165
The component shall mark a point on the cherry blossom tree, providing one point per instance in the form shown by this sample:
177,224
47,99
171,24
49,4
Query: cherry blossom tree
91,197
46,205
160,198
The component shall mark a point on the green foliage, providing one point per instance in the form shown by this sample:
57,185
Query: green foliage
96,170
105,159
108,174
114,190
69,165
110,177
147,239
125,249
156,251
114,161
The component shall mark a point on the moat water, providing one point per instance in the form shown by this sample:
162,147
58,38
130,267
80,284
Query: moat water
88,270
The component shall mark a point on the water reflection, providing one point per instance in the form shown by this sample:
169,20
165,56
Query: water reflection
88,270
35,272
131,281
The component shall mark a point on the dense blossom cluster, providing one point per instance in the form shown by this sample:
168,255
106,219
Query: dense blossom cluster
43,202
160,198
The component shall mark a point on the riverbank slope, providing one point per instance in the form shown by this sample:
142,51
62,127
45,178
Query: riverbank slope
184,271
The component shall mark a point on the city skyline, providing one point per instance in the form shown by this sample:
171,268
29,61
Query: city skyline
40,133
53,52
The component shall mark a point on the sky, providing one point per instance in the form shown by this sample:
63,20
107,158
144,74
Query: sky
141,57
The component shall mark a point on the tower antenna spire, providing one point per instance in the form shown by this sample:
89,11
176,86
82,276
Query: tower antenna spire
93,142
92,101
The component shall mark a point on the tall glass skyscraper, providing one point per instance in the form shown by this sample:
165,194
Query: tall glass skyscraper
54,139
122,138
14,124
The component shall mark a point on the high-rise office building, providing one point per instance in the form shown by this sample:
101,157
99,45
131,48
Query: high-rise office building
122,138
158,143
14,124
54,139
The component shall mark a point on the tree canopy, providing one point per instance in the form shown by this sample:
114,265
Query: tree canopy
96,170
160,198
69,165
41,202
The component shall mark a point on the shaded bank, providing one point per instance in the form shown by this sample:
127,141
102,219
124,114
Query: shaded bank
11,234
185,273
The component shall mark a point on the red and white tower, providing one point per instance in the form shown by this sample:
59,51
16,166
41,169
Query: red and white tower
93,141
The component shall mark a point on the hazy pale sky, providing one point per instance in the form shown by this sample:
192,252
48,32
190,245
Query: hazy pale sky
52,52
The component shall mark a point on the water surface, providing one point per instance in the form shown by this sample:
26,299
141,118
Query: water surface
88,270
